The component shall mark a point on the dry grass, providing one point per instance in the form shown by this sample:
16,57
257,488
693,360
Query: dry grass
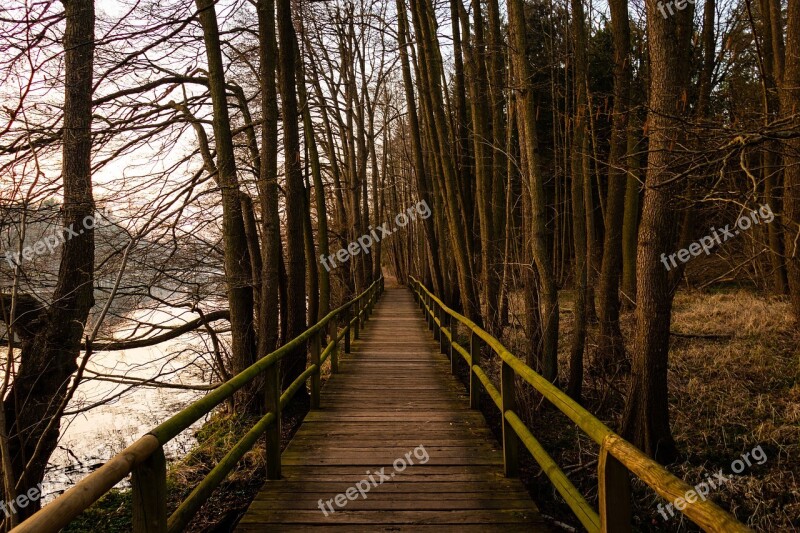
730,395
733,381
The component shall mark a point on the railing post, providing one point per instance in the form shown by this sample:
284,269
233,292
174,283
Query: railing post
272,403
335,351
510,439
316,382
357,327
614,487
475,344
437,330
445,322
348,316
149,489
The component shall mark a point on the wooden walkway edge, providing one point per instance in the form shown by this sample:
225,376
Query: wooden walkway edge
393,406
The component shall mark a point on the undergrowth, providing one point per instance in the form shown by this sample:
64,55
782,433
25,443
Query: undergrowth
733,383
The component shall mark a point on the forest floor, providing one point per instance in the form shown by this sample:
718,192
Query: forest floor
733,374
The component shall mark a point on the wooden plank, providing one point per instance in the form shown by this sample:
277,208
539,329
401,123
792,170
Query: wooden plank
294,516
352,528
444,489
465,502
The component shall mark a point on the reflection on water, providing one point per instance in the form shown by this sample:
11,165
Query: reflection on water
118,414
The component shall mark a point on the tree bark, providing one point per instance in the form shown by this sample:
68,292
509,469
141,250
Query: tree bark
790,108
237,258
424,186
268,183
293,364
430,67
579,179
646,418
481,137
611,348
548,297
49,356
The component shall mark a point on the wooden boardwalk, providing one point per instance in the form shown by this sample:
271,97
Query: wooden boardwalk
393,394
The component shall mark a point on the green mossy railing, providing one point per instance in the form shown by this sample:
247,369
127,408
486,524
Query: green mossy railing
145,461
617,458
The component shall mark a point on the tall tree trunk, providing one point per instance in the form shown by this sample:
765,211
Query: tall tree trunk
495,66
268,183
771,169
430,67
646,418
790,108
237,257
464,157
312,276
481,136
254,251
333,159
611,348
323,275
548,297
293,364
630,224
579,179
33,407
424,186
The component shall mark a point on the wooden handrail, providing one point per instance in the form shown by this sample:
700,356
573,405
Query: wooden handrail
145,458
618,457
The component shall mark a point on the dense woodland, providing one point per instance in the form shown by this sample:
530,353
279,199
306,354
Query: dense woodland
565,150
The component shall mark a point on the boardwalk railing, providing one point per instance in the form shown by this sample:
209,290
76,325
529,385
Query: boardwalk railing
145,460
617,456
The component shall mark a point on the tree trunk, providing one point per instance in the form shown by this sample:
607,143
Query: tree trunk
579,179
630,224
481,134
50,352
268,183
611,348
548,297
646,418
254,252
790,107
430,67
424,186
323,275
237,258
293,364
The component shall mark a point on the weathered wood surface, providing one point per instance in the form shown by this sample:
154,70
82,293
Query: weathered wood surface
393,394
